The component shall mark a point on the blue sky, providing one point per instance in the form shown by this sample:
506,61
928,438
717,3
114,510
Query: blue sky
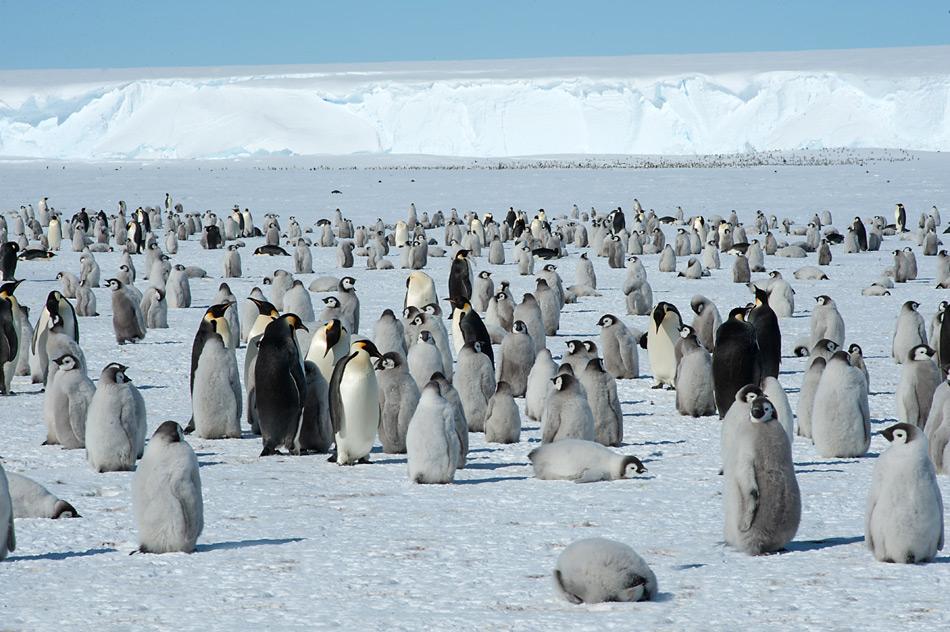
129,33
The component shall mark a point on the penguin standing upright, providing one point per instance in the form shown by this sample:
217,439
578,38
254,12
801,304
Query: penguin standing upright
905,510
127,319
475,383
166,494
841,419
707,321
8,260
7,532
328,345
665,324
215,382
768,335
915,391
567,413
468,325
398,398
695,395
280,385
460,278
517,357
619,346
349,304
432,445
601,388
900,218
9,344
502,421
735,361
115,422
909,331
826,321
354,404
420,290
66,402
213,326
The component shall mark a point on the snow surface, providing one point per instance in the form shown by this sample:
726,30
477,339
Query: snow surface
660,104
296,542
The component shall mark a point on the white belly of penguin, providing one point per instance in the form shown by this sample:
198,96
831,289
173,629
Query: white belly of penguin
360,396
662,356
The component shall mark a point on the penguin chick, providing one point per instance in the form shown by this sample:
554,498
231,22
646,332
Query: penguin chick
582,462
115,423
432,445
841,420
619,346
539,383
915,390
502,420
424,359
601,388
475,382
595,570
517,358
695,396
905,509
567,414
166,494
398,399
32,500
909,331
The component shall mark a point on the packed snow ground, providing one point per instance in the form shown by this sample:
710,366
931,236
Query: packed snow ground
299,542
664,104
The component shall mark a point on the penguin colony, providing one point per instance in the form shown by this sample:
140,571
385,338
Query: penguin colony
456,355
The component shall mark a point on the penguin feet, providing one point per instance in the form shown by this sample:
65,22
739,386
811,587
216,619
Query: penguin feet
190,427
332,458
669,387
268,451
364,460
656,387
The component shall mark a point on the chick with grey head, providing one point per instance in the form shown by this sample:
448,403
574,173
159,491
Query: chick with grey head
619,347
529,312
166,494
154,308
115,422
761,498
177,288
706,322
601,389
232,262
595,570
904,522
582,462
349,304
919,379
398,398
424,359
484,290
841,419
448,392
389,334
516,359
85,300
297,301
567,413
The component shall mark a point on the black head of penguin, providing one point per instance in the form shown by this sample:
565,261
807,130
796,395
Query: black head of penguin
169,432
563,381
115,373
607,320
389,360
841,356
368,347
217,311
591,346
595,364
748,393
7,289
901,433
661,310
738,313
334,331
761,296
284,326
762,410
265,308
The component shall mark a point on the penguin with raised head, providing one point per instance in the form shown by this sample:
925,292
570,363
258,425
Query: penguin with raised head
66,402
354,404
761,497
460,277
900,218
232,262
484,290
56,303
389,334
826,321
468,327
542,372
619,346
706,322
857,360
601,389
735,361
909,332
529,312
115,422
918,382
280,385
432,445
841,419
420,290
424,359
904,521
567,414
516,360
806,395
398,398
768,334
665,324
8,259
595,570
475,382
582,462
9,343
349,305
215,382
695,396
128,323
329,344
166,494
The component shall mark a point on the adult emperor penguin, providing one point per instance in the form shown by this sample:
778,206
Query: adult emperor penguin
329,344
8,260
582,462
56,303
567,413
900,218
909,332
398,398
768,334
761,498
595,570
905,509
66,402
915,390
420,290
166,494
695,396
467,327
460,278
735,361
841,419
7,532
9,344
665,324
280,385
115,423
432,445
215,381
354,404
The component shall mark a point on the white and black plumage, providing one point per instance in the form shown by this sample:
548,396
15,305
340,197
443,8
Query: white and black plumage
542,372
909,331
128,322
115,422
66,402
915,390
601,389
735,360
567,414
582,462
516,359
32,500
619,347
826,321
695,396
398,398
475,382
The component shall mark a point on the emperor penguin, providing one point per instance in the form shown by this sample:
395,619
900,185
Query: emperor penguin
448,392
420,290
232,262
806,395
826,321
601,388
354,404
389,334
115,422
502,420
32,500
9,343
467,327
424,359
280,385
297,301
584,273
540,377
900,218
128,323
761,498
905,509
695,396
857,360
577,356
398,398
250,311
66,402
595,570
909,332
460,277
768,334
567,414
735,361
517,358
349,304
619,346
432,445
475,382
177,288
918,382
665,324
7,531
85,300
56,303
166,494
582,462
773,390
840,418
215,381
529,312
484,290
706,322
328,345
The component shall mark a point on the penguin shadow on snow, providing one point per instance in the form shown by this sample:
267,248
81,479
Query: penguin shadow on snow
802,546
492,466
494,479
62,555
243,544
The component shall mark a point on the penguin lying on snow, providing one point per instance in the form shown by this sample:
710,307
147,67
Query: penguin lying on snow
582,462
32,500
595,570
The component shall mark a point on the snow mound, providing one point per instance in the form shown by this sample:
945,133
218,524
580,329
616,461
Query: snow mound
700,104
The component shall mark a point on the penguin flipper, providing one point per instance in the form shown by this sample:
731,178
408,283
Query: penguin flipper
589,476
749,496
336,402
